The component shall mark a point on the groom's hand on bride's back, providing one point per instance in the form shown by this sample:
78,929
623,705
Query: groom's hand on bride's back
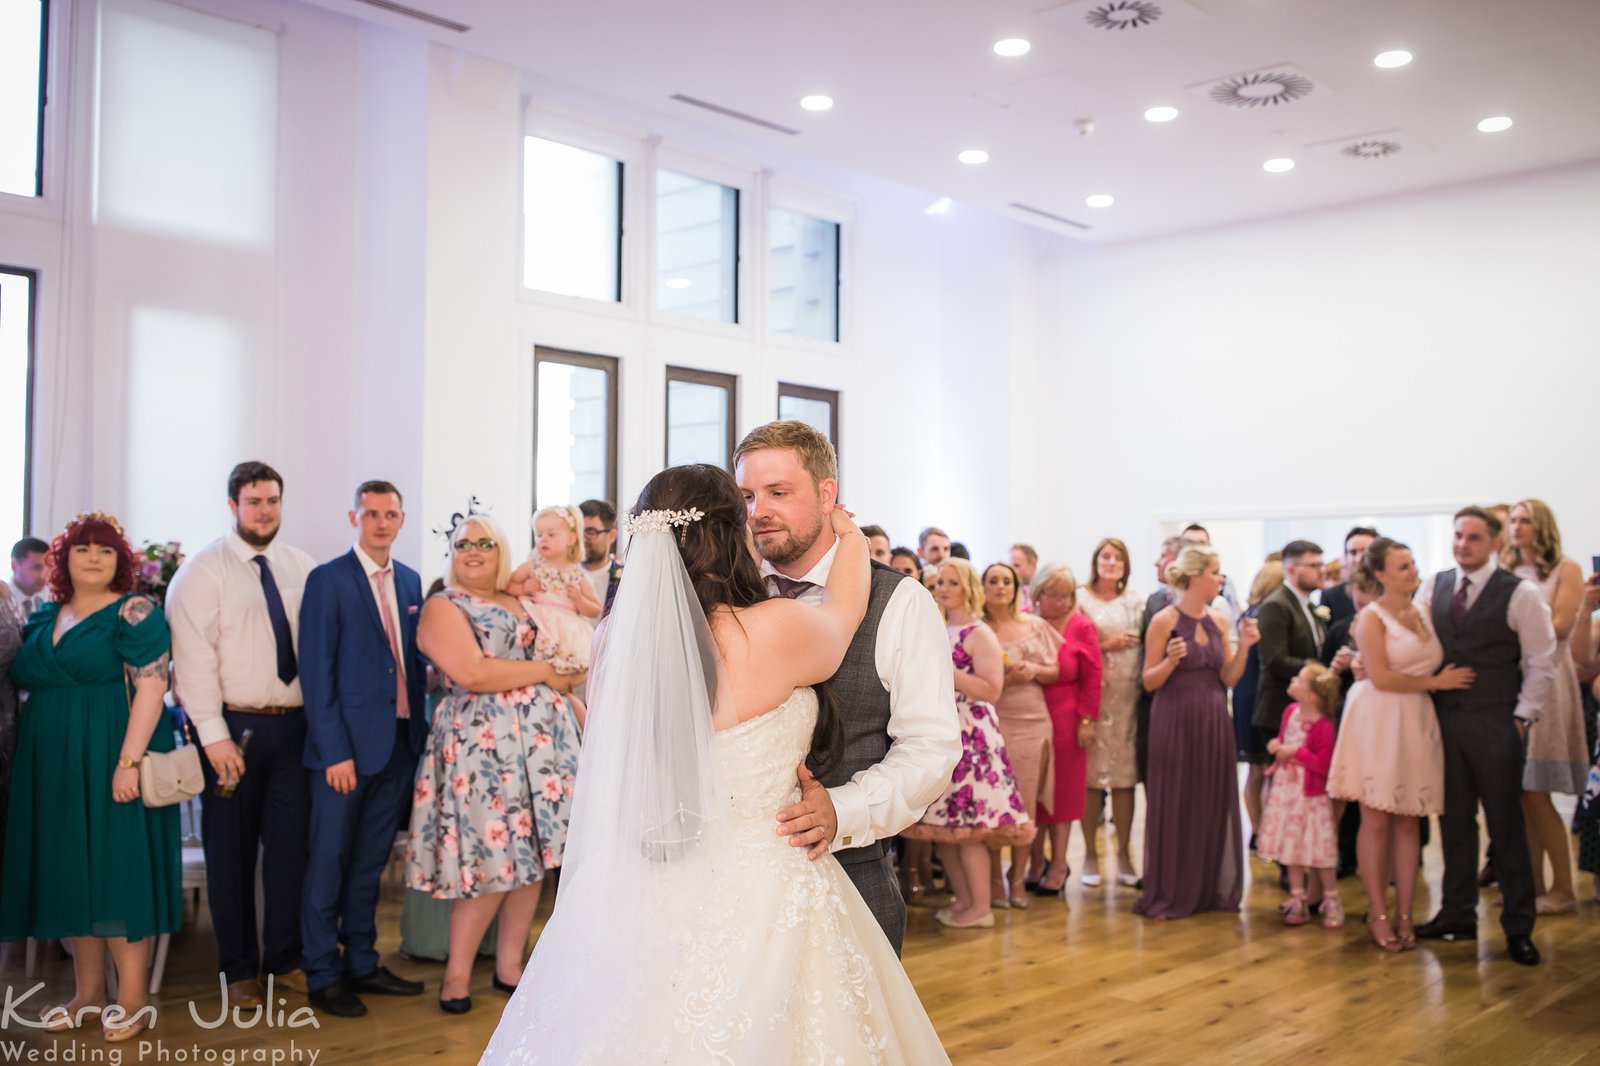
812,822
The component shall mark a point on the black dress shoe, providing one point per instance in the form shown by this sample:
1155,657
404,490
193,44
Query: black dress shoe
1031,887
1522,951
503,986
338,1000
456,1006
381,982
1437,930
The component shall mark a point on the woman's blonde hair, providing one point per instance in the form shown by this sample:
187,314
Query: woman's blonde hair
967,577
1546,540
1269,577
1191,563
1053,574
1325,685
487,527
574,520
1012,612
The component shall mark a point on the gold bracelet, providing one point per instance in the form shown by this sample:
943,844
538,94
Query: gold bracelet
125,763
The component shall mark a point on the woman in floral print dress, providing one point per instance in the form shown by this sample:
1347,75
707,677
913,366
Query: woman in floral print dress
494,788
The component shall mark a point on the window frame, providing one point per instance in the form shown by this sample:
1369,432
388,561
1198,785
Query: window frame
30,378
812,392
624,169
41,119
727,382
785,195
746,278
612,367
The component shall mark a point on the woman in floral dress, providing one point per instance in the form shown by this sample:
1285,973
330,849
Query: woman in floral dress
981,808
494,788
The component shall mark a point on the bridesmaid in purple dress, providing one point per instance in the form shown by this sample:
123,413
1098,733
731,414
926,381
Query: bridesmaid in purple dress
1193,856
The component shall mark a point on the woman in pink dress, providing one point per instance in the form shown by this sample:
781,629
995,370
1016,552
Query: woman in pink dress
1074,704
1389,757
981,808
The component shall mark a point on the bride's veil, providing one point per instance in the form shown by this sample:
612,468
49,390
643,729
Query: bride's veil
648,828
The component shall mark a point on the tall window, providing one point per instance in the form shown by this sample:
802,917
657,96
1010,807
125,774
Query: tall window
697,248
22,44
575,427
571,221
700,417
817,408
16,392
804,273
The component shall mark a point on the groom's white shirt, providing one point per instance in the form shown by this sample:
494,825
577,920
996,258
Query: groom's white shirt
913,660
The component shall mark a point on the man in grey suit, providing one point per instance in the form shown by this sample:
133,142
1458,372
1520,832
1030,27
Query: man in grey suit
895,690
1292,633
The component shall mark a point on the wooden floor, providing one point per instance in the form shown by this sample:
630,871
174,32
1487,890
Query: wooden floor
1080,980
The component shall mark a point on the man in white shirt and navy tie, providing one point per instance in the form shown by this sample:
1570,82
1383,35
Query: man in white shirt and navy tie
233,608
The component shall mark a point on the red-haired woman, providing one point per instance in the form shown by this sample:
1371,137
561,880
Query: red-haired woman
85,859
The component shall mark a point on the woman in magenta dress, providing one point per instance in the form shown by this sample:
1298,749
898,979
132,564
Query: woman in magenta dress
1074,703
1193,854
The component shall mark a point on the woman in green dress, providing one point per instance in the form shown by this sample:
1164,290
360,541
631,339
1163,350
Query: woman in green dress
85,859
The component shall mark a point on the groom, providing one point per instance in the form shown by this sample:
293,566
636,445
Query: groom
894,691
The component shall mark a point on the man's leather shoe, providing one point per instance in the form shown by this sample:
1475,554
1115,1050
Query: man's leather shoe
246,994
381,982
1522,951
338,1000
294,981
1437,930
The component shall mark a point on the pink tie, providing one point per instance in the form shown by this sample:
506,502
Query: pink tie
402,709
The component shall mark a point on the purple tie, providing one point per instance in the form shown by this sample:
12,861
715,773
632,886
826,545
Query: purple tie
789,589
1458,603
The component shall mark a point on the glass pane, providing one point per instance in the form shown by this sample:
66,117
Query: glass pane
697,423
804,301
818,414
697,247
571,434
16,314
21,101
571,221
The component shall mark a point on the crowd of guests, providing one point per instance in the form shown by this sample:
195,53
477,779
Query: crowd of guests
336,706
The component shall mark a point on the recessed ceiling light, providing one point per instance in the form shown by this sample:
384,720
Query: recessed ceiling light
1101,199
678,283
1161,114
1011,47
941,206
1495,125
973,156
1278,166
1389,60
816,103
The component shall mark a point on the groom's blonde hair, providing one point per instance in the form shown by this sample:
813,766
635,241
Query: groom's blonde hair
815,451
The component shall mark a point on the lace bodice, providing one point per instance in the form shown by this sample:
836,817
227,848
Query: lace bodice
756,759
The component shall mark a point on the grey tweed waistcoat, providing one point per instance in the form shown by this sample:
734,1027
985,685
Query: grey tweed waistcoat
1485,642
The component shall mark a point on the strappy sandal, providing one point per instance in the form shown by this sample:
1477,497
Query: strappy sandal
1295,912
59,1018
1332,913
1390,943
1407,940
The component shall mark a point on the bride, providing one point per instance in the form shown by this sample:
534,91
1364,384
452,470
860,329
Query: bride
687,930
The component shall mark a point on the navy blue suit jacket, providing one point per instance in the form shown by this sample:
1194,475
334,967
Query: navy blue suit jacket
347,667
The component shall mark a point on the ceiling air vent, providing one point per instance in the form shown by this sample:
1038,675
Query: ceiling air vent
1377,144
729,112
1041,213
1094,18
1370,148
413,13
1268,87
1123,15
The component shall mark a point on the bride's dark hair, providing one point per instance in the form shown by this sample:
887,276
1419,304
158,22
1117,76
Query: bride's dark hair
723,571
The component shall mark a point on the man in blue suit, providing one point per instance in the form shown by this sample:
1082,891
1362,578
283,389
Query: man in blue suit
363,685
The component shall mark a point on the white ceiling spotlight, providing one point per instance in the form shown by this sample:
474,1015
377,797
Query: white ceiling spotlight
1390,60
974,157
1011,47
1161,114
1278,166
1100,199
941,206
1494,125
816,102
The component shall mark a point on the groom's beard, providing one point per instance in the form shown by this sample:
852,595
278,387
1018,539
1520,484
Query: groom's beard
782,551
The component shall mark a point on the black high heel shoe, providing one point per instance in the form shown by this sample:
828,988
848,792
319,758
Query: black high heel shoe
456,1006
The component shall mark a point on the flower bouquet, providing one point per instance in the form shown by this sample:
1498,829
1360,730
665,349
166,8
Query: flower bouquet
154,565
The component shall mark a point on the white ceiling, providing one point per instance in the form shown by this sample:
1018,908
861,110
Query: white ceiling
915,82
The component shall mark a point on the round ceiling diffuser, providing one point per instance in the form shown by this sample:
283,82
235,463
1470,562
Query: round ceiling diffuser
1370,149
1261,90
1123,15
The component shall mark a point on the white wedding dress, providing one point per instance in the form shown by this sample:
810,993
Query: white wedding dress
778,960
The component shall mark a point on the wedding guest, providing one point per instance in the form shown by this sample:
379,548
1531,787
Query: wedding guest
1558,757
600,563
1389,757
1337,599
10,644
1497,624
933,546
905,560
1193,855
1074,703
85,859
28,582
234,607
363,679
1029,645
878,542
1158,599
981,809
1195,533
1025,561
486,839
1332,575
1113,763
1297,827
1247,738
958,550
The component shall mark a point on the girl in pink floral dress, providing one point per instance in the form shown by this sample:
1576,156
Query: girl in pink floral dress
1297,823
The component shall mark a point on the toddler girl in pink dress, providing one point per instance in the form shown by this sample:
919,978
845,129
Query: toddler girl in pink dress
555,592
1297,823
